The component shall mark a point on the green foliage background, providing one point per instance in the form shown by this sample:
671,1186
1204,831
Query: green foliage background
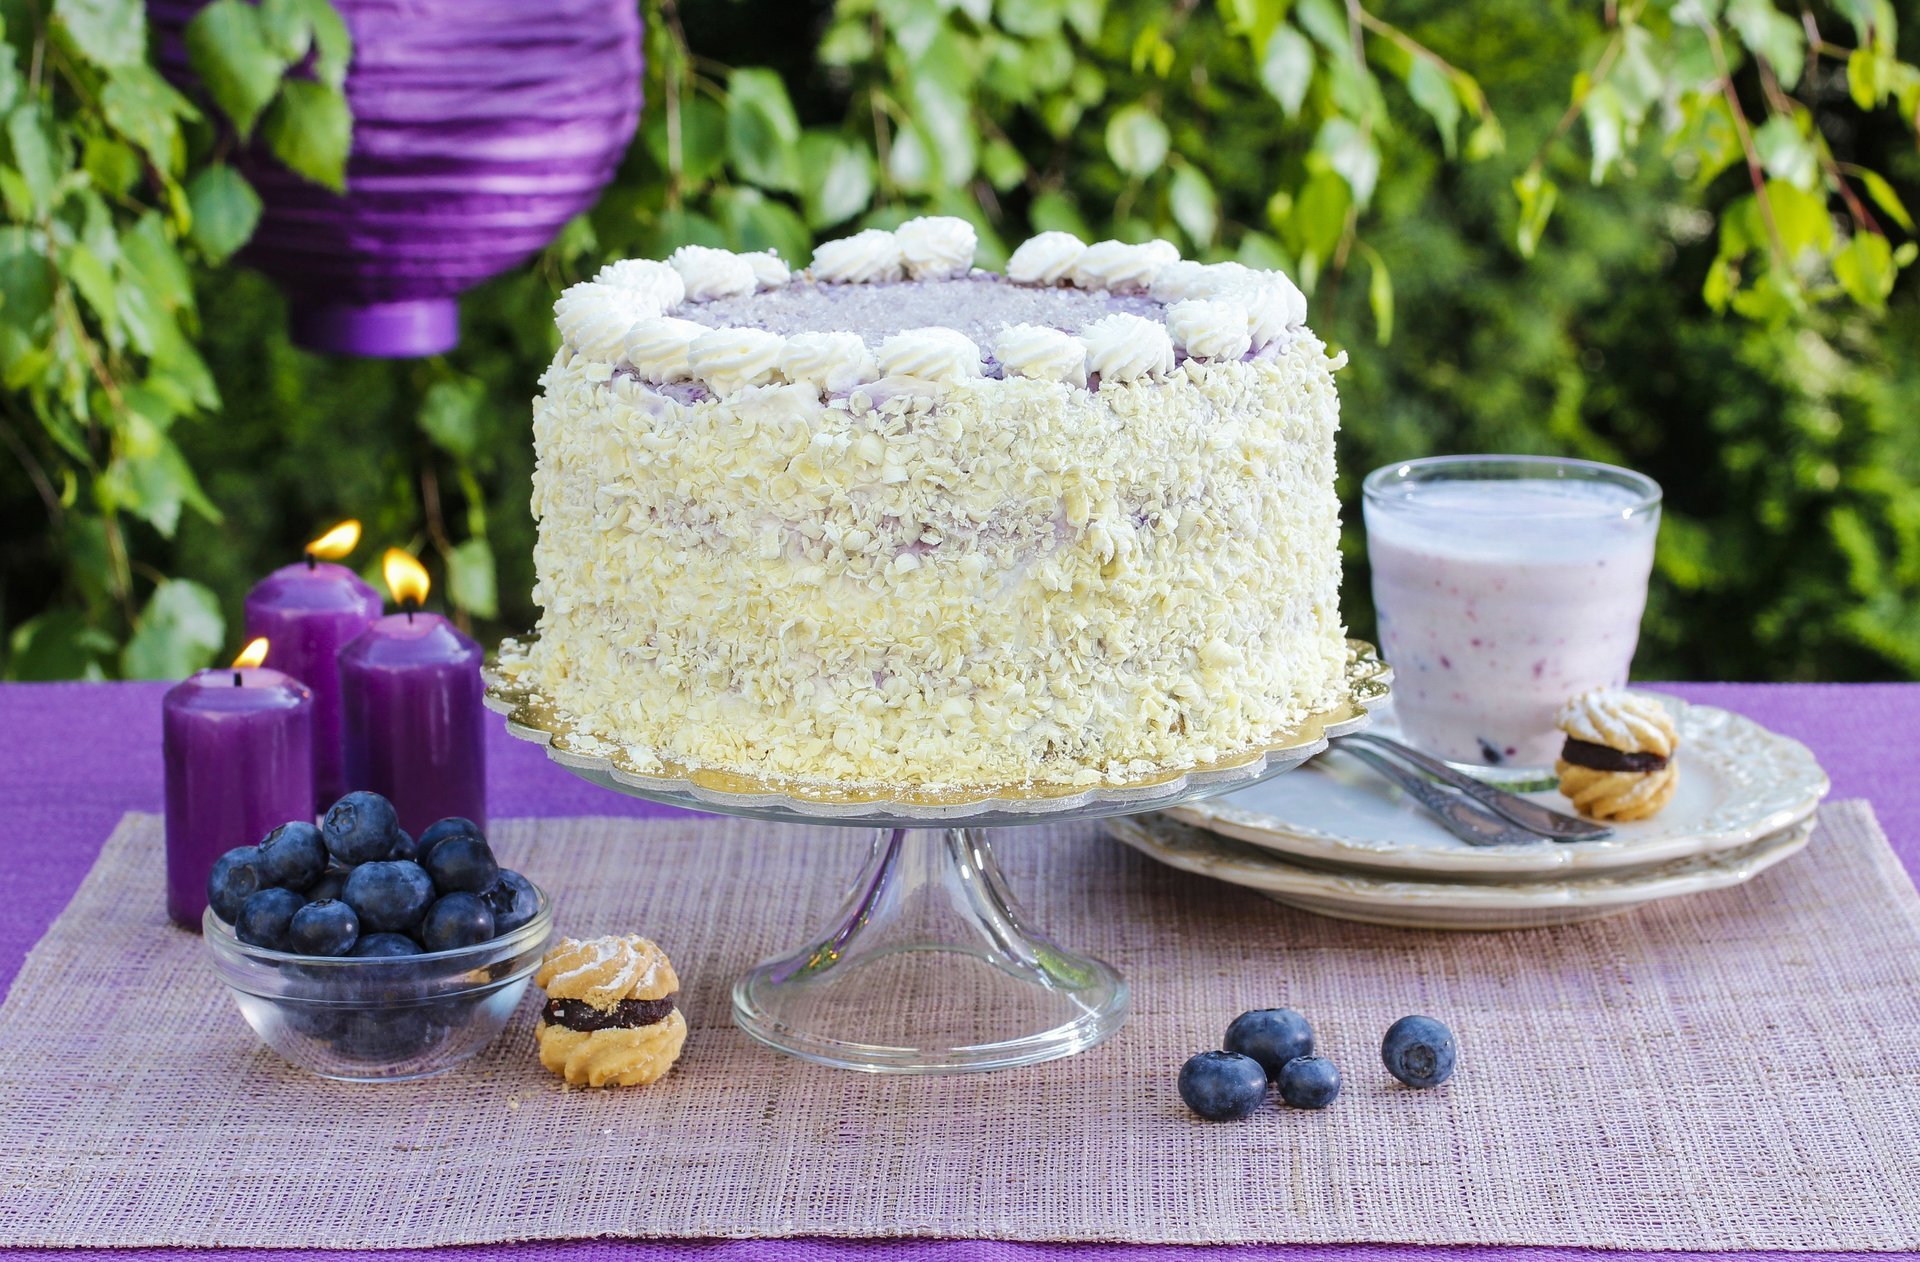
1533,223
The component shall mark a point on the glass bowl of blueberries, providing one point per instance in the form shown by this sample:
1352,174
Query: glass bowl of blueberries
362,954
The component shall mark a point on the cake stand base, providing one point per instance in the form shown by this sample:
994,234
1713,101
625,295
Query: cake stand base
930,967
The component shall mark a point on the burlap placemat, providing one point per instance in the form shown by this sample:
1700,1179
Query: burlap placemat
1738,1070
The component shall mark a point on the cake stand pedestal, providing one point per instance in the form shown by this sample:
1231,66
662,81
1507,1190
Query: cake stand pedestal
931,965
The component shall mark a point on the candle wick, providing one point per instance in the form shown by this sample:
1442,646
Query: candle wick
236,679
313,562
410,604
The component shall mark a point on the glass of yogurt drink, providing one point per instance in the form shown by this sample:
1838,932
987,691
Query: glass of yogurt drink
1505,585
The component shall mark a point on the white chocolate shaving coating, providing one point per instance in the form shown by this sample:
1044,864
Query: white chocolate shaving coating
729,360
1032,350
831,363
709,273
861,259
1209,329
659,281
936,246
594,318
657,348
1127,348
1630,722
1046,259
932,354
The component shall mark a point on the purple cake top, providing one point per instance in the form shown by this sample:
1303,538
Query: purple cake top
979,305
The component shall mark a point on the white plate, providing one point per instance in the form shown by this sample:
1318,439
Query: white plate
1380,899
1738,782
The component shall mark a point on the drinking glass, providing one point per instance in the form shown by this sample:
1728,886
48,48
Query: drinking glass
1505,585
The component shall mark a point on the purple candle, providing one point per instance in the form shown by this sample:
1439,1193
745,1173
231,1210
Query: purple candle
239,755
307,613
415,729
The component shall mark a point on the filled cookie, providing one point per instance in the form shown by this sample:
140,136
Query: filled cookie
1618,762
611,1017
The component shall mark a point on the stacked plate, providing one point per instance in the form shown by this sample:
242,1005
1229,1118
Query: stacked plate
1336,838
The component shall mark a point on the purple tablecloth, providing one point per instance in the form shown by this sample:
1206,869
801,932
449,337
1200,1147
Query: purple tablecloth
75,757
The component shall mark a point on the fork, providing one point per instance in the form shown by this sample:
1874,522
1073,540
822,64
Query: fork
1509,806
1459,815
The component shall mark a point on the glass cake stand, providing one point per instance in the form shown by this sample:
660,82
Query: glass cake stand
931,965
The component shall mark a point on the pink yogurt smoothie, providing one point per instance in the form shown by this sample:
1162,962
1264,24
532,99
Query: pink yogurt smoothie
1501,598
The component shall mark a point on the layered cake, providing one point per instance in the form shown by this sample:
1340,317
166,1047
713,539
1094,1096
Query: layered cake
896,521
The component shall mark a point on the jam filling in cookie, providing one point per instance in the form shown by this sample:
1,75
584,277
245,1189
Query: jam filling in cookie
1606,758
628,1014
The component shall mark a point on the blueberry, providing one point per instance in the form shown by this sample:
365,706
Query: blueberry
456,920
462,865
1272,1036
332,883
389,896
1419,1051
265,915
327,927
404,846
1309,1082
293,856
513,901
380,946
440,830
361,828
235,878
1222,1086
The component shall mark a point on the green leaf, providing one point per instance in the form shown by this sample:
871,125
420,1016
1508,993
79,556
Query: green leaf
1195,206
1432,90
1865,269
225,211
112,166
1786,153
26,282
1318,218
450,415
176,634
1327,23
703,140
293,28
1606,129
470,579
1801,218
1537,195
1863,78
1769,33
1002,164
1886,199
109,33
1350,151
1030,17
230,53
1380,297
1286,68
94,280
836,178
763,134
37,153
910,160
1137,140
150,255
309,129
57,644
145,109
1053,211
756,222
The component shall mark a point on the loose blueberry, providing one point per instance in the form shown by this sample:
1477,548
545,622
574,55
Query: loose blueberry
328,927
404,846
1419,1051
1222,1086
293,856
1272,1036
361,828
389,896
462,865
513,901
235,878
456,920
384,946
332,883
440,830
1309,1082
264,917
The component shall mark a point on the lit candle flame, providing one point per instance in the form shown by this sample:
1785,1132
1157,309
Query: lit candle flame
406,578
252,655
337,542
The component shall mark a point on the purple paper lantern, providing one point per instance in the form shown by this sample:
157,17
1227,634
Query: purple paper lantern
479,128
